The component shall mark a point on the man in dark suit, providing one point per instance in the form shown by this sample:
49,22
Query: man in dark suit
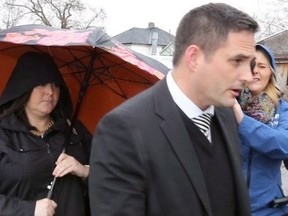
149,157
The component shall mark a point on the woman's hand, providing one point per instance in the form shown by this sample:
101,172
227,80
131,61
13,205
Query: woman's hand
238,112
68,164
45,207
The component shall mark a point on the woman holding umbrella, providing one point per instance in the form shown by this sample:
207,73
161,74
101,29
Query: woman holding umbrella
35,113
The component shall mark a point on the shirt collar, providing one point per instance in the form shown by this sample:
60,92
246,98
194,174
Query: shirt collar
183,102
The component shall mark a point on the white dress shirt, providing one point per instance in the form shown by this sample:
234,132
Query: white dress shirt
184,103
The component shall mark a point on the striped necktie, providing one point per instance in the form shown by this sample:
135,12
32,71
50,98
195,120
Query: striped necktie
203,123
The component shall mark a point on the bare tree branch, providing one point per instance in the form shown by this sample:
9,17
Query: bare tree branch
59,13
273,20
11,16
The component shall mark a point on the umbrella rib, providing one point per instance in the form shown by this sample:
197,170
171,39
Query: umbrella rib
122,93
129,70
78,67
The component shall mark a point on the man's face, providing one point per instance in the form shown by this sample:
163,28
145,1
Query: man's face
223,74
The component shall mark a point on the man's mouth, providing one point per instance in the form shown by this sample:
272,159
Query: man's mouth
236,92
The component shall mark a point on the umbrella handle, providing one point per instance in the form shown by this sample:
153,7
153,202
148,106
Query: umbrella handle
83,89
50,192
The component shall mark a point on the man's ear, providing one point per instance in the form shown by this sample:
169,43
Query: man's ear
191,54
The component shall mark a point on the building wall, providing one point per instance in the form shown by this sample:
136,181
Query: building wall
281,74
139,48
144,49
166,60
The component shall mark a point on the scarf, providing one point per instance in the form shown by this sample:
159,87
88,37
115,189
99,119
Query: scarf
259,107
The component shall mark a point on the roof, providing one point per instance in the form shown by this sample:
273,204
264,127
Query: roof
169,49
144,36
278,43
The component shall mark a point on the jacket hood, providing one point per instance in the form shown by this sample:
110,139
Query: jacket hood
32,69
269,55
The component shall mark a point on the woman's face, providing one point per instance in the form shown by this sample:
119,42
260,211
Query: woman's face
43,100
261,74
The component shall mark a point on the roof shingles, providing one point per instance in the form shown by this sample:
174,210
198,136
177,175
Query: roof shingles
144,36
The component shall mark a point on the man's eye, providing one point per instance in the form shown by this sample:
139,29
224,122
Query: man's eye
238,61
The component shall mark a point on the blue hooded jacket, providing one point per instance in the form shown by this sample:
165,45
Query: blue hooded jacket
263,149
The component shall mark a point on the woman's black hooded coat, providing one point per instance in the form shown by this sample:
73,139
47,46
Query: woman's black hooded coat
27,161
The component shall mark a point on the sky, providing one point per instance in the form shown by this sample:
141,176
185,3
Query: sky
123,15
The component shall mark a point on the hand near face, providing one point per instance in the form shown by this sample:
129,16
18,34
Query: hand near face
238,112
68,164
45,207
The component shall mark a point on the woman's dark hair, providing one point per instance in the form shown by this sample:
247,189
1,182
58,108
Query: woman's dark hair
16,107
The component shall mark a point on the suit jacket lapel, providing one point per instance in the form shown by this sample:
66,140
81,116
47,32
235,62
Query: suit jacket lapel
231,137
224,116
176,132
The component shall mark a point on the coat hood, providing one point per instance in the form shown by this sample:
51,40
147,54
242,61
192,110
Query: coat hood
33,69
269,55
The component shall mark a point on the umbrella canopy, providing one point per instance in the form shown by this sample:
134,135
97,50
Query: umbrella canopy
100,72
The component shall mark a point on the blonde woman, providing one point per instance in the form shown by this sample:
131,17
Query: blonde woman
263,129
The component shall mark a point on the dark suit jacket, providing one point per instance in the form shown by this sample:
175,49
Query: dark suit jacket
143,162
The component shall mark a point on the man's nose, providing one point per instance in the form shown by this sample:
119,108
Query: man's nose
247,74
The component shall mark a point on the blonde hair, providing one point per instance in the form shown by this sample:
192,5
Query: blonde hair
272,89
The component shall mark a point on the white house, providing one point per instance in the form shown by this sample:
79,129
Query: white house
151,41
